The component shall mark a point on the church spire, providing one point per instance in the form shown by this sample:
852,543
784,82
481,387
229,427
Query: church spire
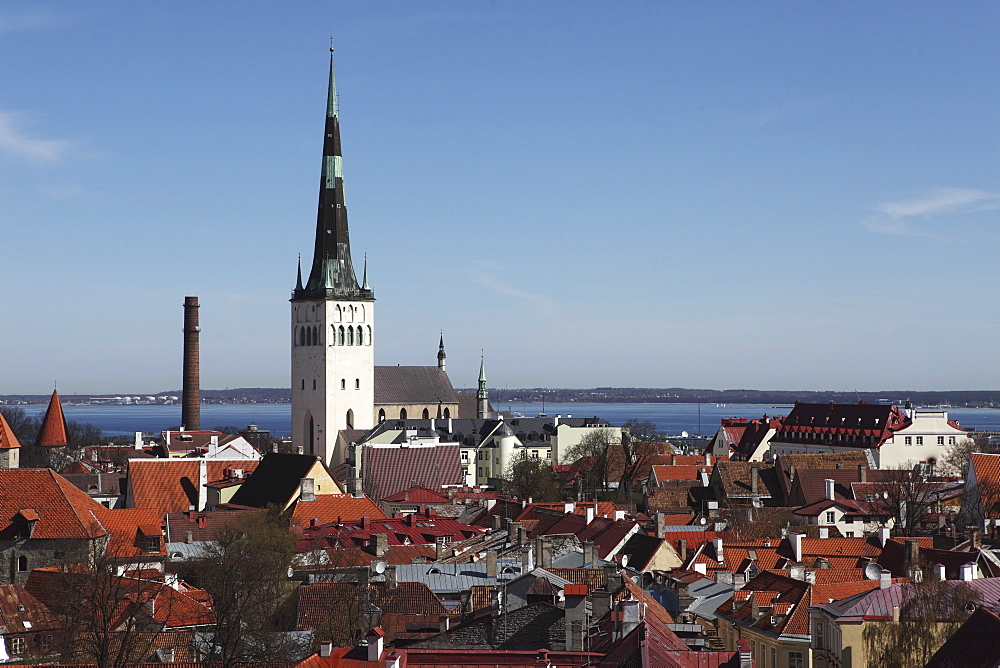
332,273
482,396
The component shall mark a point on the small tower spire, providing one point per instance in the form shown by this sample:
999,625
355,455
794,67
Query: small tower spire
441,355
482,396
364,282
298,278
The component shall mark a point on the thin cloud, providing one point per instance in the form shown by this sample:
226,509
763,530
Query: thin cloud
896,217
17,142
497,286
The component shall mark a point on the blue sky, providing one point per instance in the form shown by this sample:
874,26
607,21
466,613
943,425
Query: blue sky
770,195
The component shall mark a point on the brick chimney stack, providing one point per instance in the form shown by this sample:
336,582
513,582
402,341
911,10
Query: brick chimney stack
191,391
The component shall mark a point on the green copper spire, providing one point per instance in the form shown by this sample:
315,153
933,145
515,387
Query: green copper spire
481,394
332,274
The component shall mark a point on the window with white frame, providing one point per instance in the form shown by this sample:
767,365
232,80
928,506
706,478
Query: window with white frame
795,660
907,440
831,517
920,440
940,440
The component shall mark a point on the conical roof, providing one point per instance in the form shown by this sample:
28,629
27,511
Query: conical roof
53,431
7,438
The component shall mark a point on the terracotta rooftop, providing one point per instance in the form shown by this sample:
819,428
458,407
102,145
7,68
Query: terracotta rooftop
328,508
171,485
135,532
417,494
63,510
7,438
53,430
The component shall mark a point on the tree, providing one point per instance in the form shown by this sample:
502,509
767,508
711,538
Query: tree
25,428
105,608
907,494
638,448
245,570
931,611
643,430
956,458
529,477
593,446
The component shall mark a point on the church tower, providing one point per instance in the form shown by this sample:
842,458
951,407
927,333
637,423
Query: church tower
333,318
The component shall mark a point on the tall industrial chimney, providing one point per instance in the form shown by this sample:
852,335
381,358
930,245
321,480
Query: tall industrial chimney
191,393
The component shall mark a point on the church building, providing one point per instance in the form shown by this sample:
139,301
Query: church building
335,383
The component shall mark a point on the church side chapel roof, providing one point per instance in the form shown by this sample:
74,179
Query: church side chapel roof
413,385
53,430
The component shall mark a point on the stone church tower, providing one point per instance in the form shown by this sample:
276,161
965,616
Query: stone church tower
333,319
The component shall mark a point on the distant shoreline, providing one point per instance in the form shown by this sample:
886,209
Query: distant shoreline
600,395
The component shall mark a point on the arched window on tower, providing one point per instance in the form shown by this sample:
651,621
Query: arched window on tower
319,335
333,335
350,336
360,335
337,314
381,415
340,338
369,339
402,413
447,413
426,414
350,419
343,383
357,383
302,336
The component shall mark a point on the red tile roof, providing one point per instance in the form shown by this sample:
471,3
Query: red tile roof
662,473
417,494
413,529
389,470
986,467
171,485
7,438
53,430
329,508
132,530
409,598
63,510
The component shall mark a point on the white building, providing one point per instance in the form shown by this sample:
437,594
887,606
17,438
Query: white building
333,319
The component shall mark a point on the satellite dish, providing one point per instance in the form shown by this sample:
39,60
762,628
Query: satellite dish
703,521
873,571
379,567
624,560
